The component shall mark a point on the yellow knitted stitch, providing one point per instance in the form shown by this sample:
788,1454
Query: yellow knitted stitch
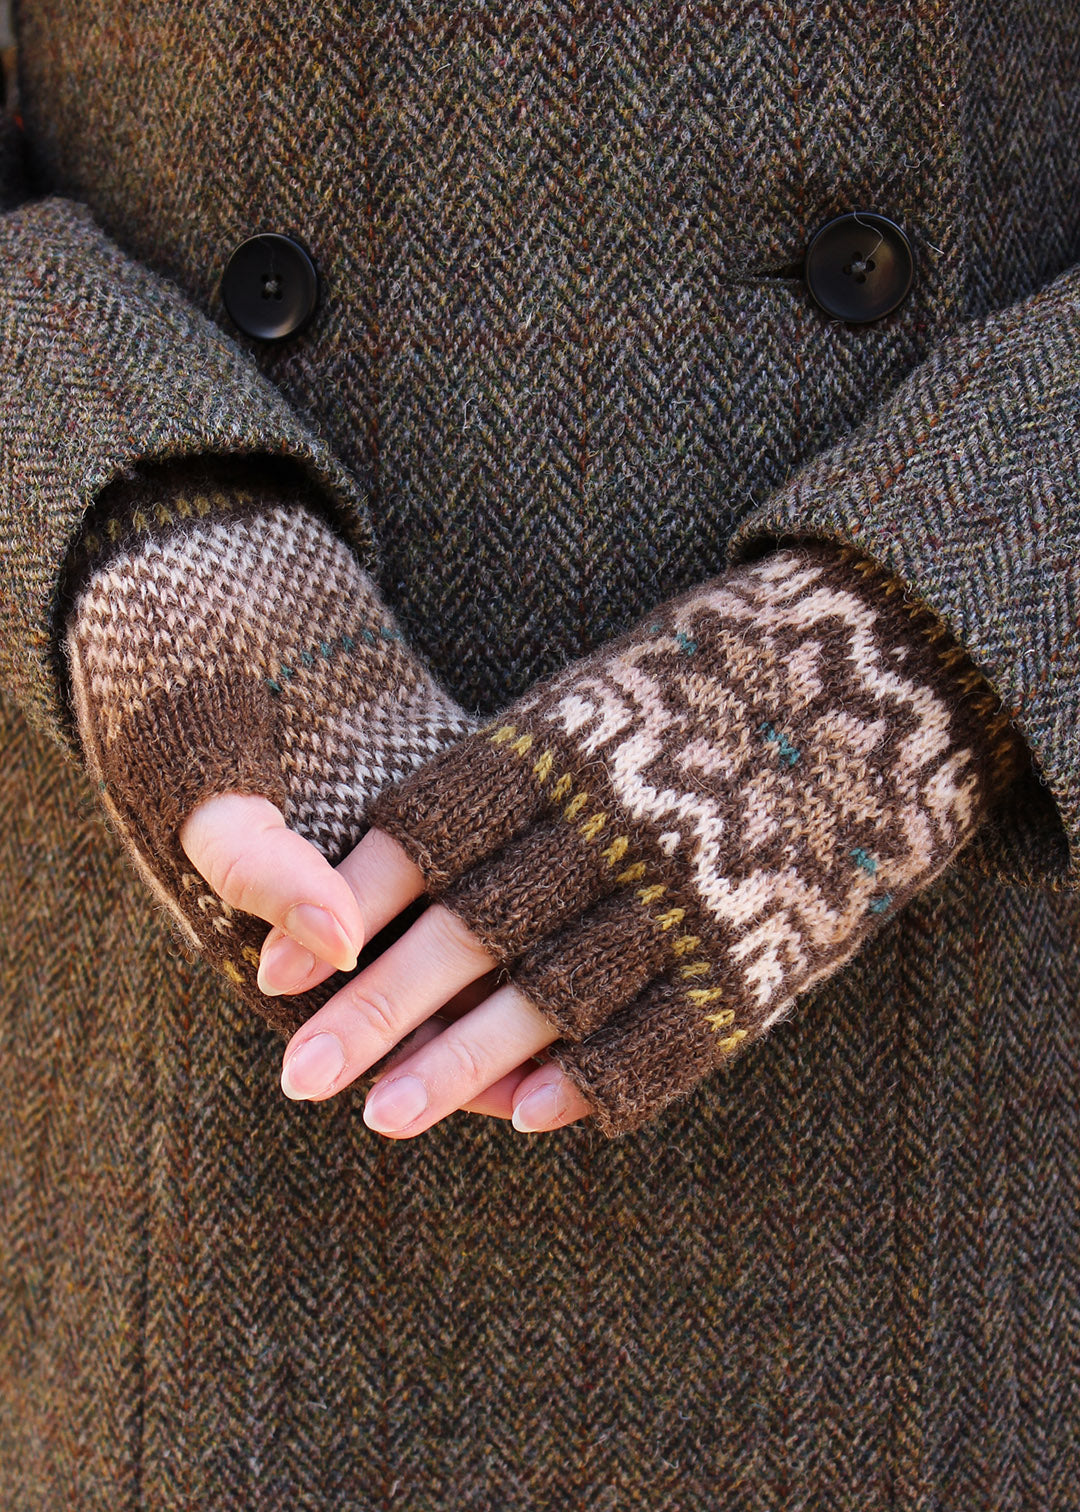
720,1020
651,893
183,508
684,943
543,766
232,972
592,827
732,1040
164,515
575,806
616,850
202,504
672,917
522,745
113,527
139,520
703,995
93,545
695,968
632,873
562,787
250,955
503,734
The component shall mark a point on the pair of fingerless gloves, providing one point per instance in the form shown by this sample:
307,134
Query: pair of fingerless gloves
665,842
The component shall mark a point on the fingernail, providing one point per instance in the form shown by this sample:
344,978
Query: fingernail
313,1068
539,1109
284,965
318,929
393,1104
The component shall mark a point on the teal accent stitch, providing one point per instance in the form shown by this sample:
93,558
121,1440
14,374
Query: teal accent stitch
879,905
328,649
688,645
654,628
770,732
868,863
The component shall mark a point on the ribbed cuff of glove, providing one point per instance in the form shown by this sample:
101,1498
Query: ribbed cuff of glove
224,639
672,838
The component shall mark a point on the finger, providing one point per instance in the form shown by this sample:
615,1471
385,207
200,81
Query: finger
547,1099
469,1056
241,846
500,1100
361,1023
496,1101
381,880
466,1059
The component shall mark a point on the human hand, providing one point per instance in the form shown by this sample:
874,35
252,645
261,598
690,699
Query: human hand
223,638
484,1062
669,840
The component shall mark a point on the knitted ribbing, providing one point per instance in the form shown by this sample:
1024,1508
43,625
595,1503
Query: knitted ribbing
672,838
224,640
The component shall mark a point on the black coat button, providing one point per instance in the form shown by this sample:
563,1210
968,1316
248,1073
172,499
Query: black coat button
270,286
859,266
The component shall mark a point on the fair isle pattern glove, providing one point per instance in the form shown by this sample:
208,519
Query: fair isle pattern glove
224,639
670,839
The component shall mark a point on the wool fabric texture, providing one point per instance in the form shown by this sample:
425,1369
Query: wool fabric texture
226,640
675,837
563,352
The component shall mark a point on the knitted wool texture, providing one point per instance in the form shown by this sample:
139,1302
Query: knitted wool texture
677,835
228,641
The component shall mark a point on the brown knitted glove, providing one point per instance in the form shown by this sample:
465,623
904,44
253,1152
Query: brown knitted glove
226,640
673,837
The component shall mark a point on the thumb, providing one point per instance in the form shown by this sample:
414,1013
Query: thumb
156,756
240,844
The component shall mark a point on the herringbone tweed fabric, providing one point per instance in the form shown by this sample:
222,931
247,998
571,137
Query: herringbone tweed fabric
563,350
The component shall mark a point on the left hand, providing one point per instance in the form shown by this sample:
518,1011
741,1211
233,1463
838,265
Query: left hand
483,1062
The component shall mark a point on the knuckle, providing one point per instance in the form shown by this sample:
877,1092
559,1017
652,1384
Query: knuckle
470,1064
378,1015
229,876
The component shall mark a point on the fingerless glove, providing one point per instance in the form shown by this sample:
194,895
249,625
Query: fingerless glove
225,639
669,840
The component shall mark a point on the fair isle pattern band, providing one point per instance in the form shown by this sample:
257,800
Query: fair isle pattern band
223,644
738,792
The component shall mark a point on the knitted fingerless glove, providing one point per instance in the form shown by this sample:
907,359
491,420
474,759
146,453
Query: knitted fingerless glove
225,639
670,839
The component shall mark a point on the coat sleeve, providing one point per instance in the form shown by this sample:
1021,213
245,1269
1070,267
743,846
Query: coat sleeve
965,484
105,367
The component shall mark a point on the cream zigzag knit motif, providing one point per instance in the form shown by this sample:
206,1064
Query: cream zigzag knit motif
674,837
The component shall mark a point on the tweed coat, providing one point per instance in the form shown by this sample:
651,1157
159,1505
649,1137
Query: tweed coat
564,364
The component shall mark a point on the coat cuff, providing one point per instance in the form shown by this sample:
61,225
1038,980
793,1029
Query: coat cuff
966,486
105,367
